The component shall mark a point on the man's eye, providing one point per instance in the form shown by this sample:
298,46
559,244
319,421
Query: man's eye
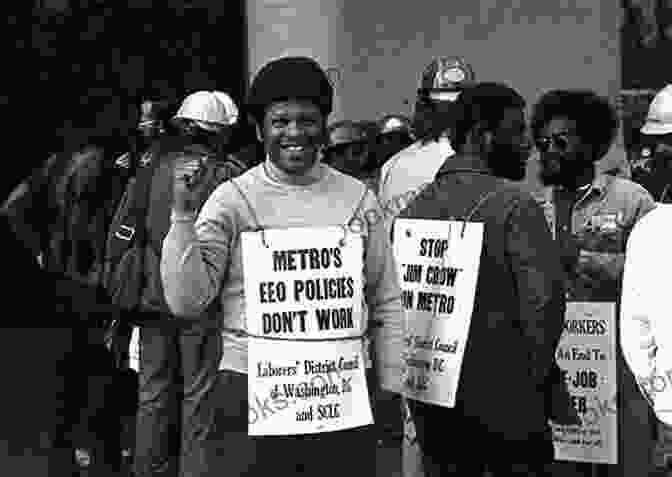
308,123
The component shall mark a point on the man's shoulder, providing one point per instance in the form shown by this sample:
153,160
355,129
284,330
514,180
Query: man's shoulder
656,224
626,187
490,190
249,179
410,169
508,194
408,151
344,184
629,194
392,162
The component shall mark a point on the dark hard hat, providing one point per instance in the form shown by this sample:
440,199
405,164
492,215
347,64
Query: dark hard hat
446,74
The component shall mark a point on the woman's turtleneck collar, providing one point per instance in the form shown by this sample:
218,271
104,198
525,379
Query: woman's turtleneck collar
274,175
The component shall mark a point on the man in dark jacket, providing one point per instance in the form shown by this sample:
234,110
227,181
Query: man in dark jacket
52,363
501,410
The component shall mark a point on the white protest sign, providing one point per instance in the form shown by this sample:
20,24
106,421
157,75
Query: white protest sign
304,313
304,284
316,386
587,355
438,265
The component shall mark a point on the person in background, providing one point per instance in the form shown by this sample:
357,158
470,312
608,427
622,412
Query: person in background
202,262
370,175
615,163
394,134
656,132
42,419
178,363
646,329
60,213
591,216
348,148
408,171
519,300
154,124
248,147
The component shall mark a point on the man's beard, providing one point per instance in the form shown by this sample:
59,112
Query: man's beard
507,161
556,171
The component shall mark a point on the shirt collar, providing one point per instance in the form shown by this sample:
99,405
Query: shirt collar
596,188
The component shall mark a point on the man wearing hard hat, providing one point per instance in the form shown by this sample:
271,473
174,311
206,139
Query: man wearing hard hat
403,175
645,324
347,148
406,173
657,135
178,365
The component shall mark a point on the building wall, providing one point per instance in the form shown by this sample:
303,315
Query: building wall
376,51
312,28
380,48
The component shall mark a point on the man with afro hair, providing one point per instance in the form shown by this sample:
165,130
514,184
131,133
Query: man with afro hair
591,216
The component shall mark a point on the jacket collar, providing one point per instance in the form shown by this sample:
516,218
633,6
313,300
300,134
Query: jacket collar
597,188
463,164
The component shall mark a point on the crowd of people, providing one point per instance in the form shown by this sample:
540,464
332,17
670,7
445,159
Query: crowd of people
155,238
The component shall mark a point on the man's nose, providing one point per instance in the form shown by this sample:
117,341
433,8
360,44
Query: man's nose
293,129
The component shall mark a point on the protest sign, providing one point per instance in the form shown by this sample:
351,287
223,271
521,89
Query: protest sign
316,386
304,313
587,355
438,265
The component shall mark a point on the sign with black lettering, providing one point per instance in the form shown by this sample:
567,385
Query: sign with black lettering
301,283
303,308
309,387
587,356
438,265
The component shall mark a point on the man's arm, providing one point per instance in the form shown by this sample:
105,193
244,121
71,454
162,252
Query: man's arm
599,264
27,207
537,272
639,302
195,254
383,295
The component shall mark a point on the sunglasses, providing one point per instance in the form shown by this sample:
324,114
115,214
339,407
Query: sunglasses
559,140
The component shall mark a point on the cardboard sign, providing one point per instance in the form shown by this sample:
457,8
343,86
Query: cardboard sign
587,355
304,312
438,265
314,386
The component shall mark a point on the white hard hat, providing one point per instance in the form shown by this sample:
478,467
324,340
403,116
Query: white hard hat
210,109
659,117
